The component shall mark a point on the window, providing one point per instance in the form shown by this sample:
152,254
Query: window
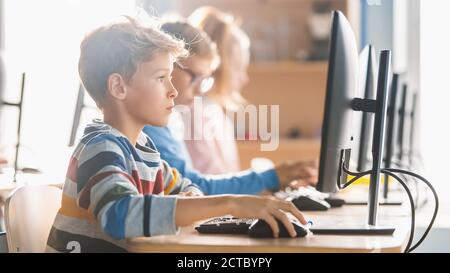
41,39
435,59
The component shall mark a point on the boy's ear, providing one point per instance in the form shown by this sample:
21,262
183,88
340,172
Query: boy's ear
116,86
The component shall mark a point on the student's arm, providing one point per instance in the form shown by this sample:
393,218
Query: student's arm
242,183
106,190
246,182
175,183
190,210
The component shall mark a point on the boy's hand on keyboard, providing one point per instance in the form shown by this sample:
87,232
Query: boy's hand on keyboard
267,209
299,183
297,174
191,193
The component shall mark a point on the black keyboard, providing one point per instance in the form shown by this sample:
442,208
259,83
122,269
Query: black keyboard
225,225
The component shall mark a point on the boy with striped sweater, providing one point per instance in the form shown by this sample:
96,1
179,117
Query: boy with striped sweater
117,186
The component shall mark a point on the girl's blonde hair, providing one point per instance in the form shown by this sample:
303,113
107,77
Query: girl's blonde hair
224,30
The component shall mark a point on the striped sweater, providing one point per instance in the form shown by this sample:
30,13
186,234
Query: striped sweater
113,191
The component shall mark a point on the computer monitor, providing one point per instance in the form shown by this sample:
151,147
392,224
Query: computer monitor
394,130
341,87
337,137
77,115
414,153
363,121
19,105
407,109
393,122
84,109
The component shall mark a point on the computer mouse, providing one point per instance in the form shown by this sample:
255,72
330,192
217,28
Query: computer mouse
260,229
335,202
310,203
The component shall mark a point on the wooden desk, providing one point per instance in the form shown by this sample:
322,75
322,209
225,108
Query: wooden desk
7,184
189,240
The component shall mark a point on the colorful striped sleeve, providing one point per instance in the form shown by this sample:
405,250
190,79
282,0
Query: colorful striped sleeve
108,191
175,183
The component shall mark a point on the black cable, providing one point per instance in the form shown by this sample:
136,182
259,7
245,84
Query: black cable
418,204
391,172
354,179
411,202
436,198
410,197
416,188
420,165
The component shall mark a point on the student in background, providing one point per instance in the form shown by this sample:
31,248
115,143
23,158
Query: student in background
191,77
117,186
216,152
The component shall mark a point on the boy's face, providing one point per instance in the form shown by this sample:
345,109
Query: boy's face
150,93
188,78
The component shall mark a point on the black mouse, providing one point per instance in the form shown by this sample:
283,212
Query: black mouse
310,203
335,202
260,229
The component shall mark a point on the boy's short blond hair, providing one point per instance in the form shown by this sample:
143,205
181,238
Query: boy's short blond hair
119,48
197,42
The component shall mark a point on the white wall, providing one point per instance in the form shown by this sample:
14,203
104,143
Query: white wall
387,29
380,24
435,88
42,39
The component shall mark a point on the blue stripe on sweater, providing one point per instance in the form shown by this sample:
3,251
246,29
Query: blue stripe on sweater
107,137
95,164
115,218
134,155
152,164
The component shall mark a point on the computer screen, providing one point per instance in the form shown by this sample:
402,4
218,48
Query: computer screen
363,121
392,147
402,133
393,143
414,149
337,124
77,115
407,126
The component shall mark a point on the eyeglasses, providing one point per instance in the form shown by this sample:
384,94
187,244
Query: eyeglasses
206,83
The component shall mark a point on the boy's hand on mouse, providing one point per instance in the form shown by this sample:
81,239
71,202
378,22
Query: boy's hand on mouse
297,174
268,209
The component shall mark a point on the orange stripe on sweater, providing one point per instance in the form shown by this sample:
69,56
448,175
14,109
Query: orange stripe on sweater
70,208
172,183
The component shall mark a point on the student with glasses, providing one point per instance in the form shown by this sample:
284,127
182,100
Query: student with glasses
205,83
191,77
217,152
